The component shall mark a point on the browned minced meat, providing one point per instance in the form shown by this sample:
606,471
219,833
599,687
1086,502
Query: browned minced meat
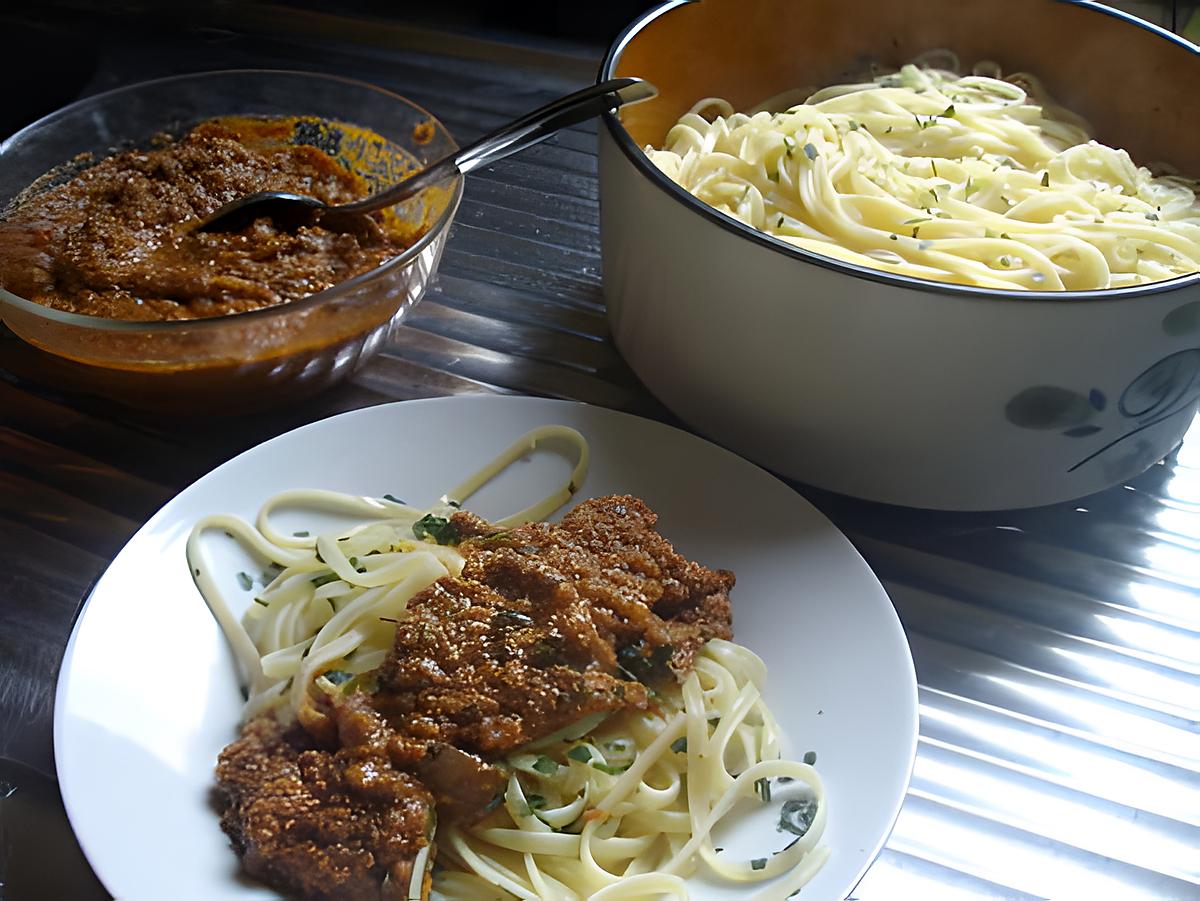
318,823
118,240
634,582
546,625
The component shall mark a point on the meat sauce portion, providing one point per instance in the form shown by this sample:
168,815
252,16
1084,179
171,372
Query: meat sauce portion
322,824
118,239
546,625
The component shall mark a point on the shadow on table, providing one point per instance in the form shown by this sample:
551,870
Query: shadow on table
39,856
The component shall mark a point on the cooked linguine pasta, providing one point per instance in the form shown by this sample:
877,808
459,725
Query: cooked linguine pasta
623,806
973,180
330,600
658,786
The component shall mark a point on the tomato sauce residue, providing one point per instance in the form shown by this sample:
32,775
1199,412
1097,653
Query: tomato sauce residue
423,132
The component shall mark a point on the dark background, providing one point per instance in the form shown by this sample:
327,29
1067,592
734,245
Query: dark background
57,44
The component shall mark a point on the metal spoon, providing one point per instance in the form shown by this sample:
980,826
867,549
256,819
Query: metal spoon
524,132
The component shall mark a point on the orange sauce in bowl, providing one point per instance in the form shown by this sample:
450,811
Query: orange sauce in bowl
116,241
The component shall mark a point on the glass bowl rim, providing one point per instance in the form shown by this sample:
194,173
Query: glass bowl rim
104,323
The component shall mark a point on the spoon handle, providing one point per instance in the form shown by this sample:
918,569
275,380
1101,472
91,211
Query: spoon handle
516,136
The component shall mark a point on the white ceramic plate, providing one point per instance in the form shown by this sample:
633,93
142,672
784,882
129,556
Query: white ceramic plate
147,696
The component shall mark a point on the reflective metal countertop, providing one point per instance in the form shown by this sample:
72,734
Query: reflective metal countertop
1057,650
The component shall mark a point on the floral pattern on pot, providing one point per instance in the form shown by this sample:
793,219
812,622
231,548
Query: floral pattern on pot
1169,387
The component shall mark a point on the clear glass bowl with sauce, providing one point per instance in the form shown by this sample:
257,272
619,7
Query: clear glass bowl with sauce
249,360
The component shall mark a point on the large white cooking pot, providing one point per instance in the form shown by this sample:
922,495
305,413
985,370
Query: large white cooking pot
882,387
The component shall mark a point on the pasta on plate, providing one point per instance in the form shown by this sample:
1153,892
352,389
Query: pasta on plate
968,179
371,648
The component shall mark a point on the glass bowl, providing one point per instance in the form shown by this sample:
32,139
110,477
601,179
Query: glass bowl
244,361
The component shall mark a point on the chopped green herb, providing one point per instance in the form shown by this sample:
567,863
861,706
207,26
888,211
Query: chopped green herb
893,237
438,528
779,222
784,780
915,221
773,176
455,504
325,579
642,666
969,188
797,815
300,534
933,165
679,745
1045,179
354,562
609,768
580,753
916,229
337,676
790,143
532,803
888,130
499,536
758,863
1005,262
948,112
810,757
245,581
762,788
260,601
854,126
810,151
1005,236
392,498
545,765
